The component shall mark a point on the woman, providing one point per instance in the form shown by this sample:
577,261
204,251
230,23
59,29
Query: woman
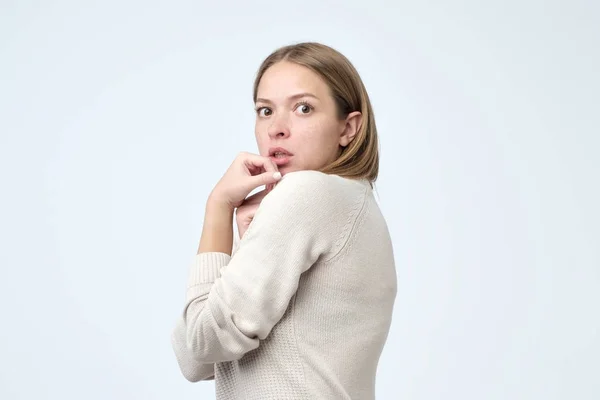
301,308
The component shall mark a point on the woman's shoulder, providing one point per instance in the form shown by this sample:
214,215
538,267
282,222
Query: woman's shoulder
317,191
319,182
322,208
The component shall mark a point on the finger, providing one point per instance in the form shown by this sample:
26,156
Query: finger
253,161
266,178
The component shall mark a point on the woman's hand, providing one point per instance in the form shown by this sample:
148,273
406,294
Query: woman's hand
245,213
247,172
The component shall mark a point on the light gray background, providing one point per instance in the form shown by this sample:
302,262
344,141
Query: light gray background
118,117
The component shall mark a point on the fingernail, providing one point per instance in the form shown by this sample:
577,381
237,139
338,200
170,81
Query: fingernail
277,175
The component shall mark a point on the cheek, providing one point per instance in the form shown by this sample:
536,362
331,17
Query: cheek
260,136
317,140
322,134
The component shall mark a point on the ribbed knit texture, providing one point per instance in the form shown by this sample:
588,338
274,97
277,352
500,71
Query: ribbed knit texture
303,306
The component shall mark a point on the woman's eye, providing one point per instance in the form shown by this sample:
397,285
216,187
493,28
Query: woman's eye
264,112
304,108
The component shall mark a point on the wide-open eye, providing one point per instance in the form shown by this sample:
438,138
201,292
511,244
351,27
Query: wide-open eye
304,108
264,111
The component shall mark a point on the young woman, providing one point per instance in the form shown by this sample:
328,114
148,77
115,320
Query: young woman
302,306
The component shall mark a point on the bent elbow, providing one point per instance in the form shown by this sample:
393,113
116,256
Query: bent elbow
205,372
191,369
208,347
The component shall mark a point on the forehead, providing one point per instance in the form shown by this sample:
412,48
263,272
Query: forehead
285,78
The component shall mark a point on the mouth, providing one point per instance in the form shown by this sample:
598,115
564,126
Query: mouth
280,159
280,156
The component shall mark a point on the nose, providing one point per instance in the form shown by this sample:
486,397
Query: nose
279,127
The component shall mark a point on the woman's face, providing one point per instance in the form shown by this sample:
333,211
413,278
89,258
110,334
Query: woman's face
297,115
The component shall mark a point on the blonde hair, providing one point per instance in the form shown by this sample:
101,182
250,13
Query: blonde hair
360,158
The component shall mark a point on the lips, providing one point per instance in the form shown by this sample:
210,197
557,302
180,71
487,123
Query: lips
279,155
280,160
276,150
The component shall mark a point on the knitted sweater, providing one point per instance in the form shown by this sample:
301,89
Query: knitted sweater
303,306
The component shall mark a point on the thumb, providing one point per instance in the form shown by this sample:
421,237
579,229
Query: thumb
266,178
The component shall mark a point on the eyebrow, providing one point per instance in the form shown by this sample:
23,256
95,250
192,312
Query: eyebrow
293,97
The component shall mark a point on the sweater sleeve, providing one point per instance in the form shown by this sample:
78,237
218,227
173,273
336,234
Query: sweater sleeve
191,369
234,302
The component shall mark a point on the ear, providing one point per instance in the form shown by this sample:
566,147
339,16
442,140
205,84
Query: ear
350,128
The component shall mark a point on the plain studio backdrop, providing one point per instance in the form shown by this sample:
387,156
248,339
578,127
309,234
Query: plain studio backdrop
119,117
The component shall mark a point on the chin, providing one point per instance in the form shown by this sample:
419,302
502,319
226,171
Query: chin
284,169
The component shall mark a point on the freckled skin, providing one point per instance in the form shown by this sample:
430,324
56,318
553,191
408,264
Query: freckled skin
311,131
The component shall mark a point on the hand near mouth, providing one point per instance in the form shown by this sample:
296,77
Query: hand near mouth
247,172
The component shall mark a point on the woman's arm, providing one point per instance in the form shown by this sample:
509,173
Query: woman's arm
217,236
191,369
234,302
247,172
217,231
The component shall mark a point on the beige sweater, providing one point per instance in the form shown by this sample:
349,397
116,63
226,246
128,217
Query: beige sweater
302,308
